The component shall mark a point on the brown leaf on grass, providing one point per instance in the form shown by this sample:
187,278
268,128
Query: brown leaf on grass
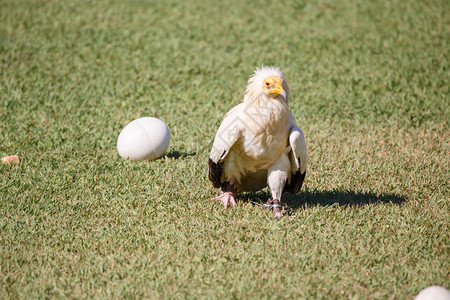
10,159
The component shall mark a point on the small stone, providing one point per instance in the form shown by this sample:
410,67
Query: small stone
10,159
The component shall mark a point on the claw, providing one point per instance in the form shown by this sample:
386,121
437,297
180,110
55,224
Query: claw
226,199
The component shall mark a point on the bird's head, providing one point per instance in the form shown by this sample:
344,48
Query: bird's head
267,82
273,87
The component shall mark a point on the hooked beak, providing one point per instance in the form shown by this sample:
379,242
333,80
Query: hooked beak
277,89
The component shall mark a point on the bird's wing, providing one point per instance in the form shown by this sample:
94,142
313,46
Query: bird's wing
297,156
229,132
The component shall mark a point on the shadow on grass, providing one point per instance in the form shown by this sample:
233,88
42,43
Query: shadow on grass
177,154
341,198
327,198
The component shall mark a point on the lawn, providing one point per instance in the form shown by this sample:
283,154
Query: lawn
369,88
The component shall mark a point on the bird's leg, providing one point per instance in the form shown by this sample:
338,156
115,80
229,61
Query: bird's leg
276,207
227,195
276,179
269,203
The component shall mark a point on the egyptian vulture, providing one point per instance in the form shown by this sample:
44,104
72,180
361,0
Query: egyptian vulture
258,143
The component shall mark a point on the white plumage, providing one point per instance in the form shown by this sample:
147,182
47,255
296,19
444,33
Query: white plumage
258,143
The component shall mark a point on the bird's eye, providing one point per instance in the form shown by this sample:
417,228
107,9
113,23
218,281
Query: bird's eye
267,83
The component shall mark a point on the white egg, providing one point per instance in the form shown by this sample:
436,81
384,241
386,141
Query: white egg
143,139
433,292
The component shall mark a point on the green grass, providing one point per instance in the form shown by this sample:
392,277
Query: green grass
369,87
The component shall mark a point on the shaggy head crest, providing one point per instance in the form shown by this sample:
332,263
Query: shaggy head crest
255,83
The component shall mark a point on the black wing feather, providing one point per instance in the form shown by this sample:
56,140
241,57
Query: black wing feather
296,183
215,173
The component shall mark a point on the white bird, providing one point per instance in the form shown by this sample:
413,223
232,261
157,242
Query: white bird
258,143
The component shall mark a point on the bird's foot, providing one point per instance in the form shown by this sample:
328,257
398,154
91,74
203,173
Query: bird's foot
276,207
268,203
226,199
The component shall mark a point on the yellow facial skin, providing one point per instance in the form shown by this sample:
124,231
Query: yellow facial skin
273,86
